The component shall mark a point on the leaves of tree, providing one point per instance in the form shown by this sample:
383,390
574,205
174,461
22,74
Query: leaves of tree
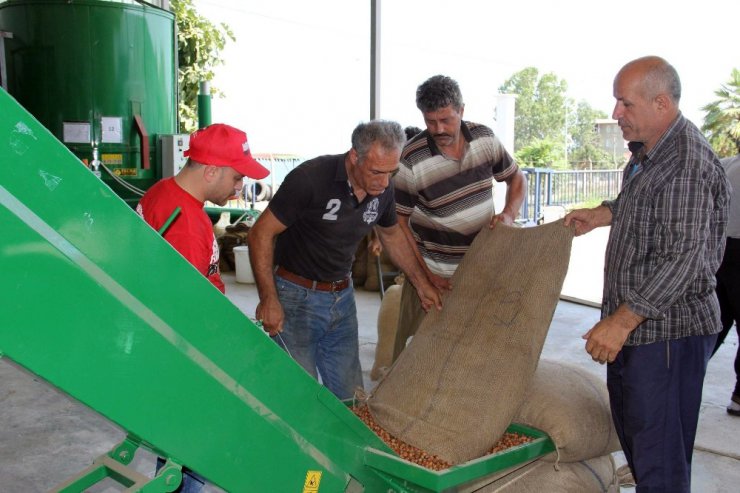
722,121
199,46
544,116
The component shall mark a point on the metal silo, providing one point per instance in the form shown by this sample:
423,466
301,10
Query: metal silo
100,75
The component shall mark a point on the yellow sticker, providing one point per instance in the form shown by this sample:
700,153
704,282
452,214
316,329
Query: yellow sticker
313,478
125,171
111,159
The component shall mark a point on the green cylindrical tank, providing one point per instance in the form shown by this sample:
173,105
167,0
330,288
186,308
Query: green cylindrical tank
100,75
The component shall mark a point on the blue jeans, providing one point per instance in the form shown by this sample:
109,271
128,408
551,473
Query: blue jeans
191,482
655,395
320,333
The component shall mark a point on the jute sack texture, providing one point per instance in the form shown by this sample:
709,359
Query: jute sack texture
455,388
597,475
571,405
387,326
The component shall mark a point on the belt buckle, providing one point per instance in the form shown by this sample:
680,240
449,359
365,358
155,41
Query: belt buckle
334,285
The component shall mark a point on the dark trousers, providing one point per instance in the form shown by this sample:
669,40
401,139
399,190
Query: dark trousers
655,395
728,294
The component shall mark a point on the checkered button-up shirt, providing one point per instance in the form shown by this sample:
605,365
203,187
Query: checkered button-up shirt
667,237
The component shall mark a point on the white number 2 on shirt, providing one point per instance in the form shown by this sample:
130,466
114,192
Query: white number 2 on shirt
332,207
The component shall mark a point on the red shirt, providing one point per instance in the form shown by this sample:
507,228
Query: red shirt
191,233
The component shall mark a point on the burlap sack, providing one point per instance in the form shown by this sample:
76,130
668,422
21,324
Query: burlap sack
387,326
572,406
456,387
410,315
597,475
235,235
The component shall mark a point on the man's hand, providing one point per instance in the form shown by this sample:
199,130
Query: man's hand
270,313
606,339
429,295
504,217
585,220
441,283
375,246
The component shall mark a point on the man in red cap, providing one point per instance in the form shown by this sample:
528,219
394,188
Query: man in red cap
218,160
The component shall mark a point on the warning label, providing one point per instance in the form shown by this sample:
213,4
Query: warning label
125,171
112,159
313,478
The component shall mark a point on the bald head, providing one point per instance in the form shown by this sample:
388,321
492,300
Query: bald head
647,91
656,76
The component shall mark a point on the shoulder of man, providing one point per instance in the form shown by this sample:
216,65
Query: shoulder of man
417,149
478,130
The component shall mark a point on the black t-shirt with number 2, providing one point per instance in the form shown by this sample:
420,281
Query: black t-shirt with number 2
324,221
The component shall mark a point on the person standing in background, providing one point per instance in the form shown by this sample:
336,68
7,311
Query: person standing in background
728,276
444,191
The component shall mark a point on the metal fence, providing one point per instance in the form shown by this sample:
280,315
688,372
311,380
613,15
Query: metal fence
546,187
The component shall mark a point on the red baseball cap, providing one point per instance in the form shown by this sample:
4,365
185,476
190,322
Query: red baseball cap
223,145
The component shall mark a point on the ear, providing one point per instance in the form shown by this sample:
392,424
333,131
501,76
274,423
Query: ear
353,157
462,110
210,173
663,102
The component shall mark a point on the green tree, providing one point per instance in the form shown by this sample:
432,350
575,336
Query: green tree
543,153
540,107
722,121
199,45
586,151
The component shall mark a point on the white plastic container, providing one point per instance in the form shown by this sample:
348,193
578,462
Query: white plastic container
243,268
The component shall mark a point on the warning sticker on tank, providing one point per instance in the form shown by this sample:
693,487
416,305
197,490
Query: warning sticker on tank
112,159
124,171
313,478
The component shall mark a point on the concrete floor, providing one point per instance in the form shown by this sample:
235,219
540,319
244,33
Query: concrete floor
46,437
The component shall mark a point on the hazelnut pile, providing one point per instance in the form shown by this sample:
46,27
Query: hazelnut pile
418,456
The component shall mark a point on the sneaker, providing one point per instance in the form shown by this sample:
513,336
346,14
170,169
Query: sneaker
733,408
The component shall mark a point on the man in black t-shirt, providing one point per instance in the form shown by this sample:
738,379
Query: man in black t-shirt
315,221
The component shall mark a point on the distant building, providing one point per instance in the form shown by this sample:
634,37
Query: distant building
610,138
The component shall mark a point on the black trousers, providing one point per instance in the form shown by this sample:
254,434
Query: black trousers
728,293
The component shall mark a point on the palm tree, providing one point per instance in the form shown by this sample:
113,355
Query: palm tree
722,121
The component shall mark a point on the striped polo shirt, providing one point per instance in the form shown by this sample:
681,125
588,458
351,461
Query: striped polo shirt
449,201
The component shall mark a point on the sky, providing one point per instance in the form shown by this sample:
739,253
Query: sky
297,78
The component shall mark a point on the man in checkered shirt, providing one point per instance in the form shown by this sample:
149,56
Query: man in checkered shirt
660,315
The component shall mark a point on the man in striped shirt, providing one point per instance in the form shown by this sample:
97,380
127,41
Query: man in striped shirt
444,190
660,315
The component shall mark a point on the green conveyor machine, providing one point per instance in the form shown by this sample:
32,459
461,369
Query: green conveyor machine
95,302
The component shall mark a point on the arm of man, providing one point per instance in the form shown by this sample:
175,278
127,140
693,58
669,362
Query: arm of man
401,253
516,187
261,242
439,282
585,220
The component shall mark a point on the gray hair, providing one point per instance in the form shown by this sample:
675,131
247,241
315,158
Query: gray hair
388,134
438,92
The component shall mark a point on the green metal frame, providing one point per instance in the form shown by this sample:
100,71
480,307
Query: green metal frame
113,465
99,305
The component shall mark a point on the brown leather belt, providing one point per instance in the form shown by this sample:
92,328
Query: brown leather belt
310,284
